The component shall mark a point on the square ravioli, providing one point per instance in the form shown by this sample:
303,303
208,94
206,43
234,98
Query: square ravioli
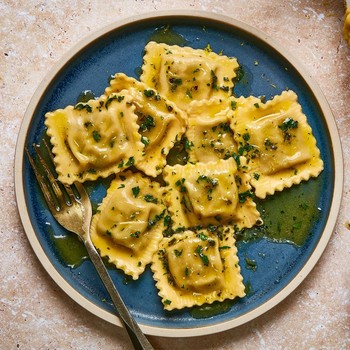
94,139
193,268
184,74
161,122
209,134
128,224
278,143
213,193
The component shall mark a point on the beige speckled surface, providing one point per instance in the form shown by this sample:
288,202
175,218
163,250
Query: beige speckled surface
34,312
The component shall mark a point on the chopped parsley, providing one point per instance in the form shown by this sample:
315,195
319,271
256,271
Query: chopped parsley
130,162
150,199
135,234
149,93
204,258
135,191
96,136
210,185
287,125
80,106
180,183
177,252
270,145
244,195
174,83
145,140
214,81
147,124
118,98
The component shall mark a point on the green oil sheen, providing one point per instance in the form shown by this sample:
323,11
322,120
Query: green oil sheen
288,216
206,310
86,96
70,248
166,35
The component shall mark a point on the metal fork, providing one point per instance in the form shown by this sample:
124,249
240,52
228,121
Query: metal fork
71,207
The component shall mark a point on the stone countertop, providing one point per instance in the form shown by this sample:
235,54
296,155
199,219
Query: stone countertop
34,312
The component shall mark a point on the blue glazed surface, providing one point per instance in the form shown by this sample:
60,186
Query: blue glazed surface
266,73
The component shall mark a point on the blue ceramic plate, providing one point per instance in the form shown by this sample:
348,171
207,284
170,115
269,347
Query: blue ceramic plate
278,268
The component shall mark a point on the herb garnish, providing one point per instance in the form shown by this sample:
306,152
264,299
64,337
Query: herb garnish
130,162
118,98
244,195
135,191
79,106
147,124
288,124
150,199
199,251
149,93
96,135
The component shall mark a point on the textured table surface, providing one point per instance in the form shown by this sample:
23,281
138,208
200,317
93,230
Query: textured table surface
34,312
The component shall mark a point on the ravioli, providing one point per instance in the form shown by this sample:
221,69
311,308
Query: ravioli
193,268
213,193
209,134
128,225
184,74
94,139
278,143
161,122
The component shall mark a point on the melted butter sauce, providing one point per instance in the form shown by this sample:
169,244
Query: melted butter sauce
288,215
166,35
70,249
85,96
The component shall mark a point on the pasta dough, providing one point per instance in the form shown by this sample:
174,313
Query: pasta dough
200,267
184,74
94,139
128,225
161,122
209,135
214,193
278,143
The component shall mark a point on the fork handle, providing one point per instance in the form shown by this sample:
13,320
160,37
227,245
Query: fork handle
137,337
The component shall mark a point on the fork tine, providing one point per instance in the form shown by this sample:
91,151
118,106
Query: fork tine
53,205
68,191
56,188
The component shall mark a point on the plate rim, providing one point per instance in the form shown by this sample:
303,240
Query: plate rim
319,247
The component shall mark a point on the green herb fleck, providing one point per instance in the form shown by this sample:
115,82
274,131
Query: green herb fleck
150,199
149,93
135,234
288,124
96,136
135,191
244,195
145,140
177,252
250,263
130,162
118,98
204,258
80,106
147,124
